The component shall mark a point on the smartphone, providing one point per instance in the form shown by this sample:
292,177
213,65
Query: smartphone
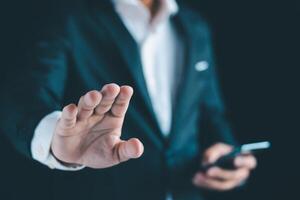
227,161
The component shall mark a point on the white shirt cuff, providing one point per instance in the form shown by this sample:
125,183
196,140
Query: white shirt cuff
41,143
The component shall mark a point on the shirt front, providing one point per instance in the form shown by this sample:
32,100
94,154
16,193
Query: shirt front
160,52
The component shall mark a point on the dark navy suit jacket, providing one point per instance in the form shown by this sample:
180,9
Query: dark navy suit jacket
87,47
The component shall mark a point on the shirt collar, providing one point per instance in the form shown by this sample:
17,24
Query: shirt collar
168,7
137,17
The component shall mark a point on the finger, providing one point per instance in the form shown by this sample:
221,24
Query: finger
132,148
88,103
227,175
216,151
245,161
109,93
121,103
68,117
203,181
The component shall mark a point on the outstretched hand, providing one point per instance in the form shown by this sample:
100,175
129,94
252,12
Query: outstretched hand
89,133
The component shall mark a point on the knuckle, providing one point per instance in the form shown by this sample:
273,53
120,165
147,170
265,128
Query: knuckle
106,103
117,113
121,103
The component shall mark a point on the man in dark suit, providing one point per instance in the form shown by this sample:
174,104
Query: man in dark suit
161,49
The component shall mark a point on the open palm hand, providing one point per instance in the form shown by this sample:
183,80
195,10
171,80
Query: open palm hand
89,133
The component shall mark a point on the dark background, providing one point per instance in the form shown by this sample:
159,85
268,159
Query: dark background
257,48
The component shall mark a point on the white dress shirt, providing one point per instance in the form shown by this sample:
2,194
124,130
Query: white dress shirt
161,56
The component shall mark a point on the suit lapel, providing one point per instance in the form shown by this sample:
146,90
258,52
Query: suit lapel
189,33
129,51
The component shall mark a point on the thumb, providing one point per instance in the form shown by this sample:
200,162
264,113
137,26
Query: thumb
132,148
215,152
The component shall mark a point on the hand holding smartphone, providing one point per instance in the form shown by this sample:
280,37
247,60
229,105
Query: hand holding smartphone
227,161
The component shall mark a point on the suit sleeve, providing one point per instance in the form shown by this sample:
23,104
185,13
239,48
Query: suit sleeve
216,125
33,88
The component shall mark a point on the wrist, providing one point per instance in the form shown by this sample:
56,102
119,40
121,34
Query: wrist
66,164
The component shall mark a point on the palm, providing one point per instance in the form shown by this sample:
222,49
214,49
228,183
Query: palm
94,140
100,141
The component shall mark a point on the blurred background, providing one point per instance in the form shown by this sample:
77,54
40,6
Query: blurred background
257,48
